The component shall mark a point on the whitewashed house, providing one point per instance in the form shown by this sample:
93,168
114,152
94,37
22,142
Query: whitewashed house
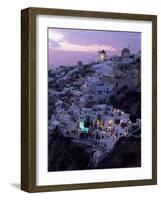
103,88
127,60
86,114
105,68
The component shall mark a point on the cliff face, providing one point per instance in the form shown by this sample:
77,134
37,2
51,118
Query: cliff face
129,102
126,153
64,154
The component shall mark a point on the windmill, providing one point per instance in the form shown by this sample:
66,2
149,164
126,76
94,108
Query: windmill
102,55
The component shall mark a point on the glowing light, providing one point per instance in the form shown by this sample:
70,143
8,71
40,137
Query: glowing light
81,124
98,122
83,129
110,122
102,56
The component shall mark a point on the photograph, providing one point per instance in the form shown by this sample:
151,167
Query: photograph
89,99
94,99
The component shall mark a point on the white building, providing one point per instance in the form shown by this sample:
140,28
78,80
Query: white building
127,60
105,68
102,55
125,52
74,109
103,88
126,56
96,112
86,114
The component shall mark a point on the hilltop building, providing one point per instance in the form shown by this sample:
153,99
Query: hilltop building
79,63
102,55
126,57
125,52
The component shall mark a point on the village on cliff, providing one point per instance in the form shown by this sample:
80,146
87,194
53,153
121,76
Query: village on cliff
83,100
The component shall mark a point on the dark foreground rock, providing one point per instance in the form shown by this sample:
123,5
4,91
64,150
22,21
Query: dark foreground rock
126,153
64,154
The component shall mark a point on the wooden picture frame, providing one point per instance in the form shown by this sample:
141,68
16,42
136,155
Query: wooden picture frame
28,99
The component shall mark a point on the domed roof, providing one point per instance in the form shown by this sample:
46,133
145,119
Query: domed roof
125,52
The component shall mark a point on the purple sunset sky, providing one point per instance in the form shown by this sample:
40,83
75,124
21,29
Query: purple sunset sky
67,46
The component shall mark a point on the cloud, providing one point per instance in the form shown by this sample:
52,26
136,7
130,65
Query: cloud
58,41
55,35
54,44
65,46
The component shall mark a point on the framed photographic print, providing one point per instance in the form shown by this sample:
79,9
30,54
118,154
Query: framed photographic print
89,99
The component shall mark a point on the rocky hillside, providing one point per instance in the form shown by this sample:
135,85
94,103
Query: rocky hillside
129,102
126,153
64,154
